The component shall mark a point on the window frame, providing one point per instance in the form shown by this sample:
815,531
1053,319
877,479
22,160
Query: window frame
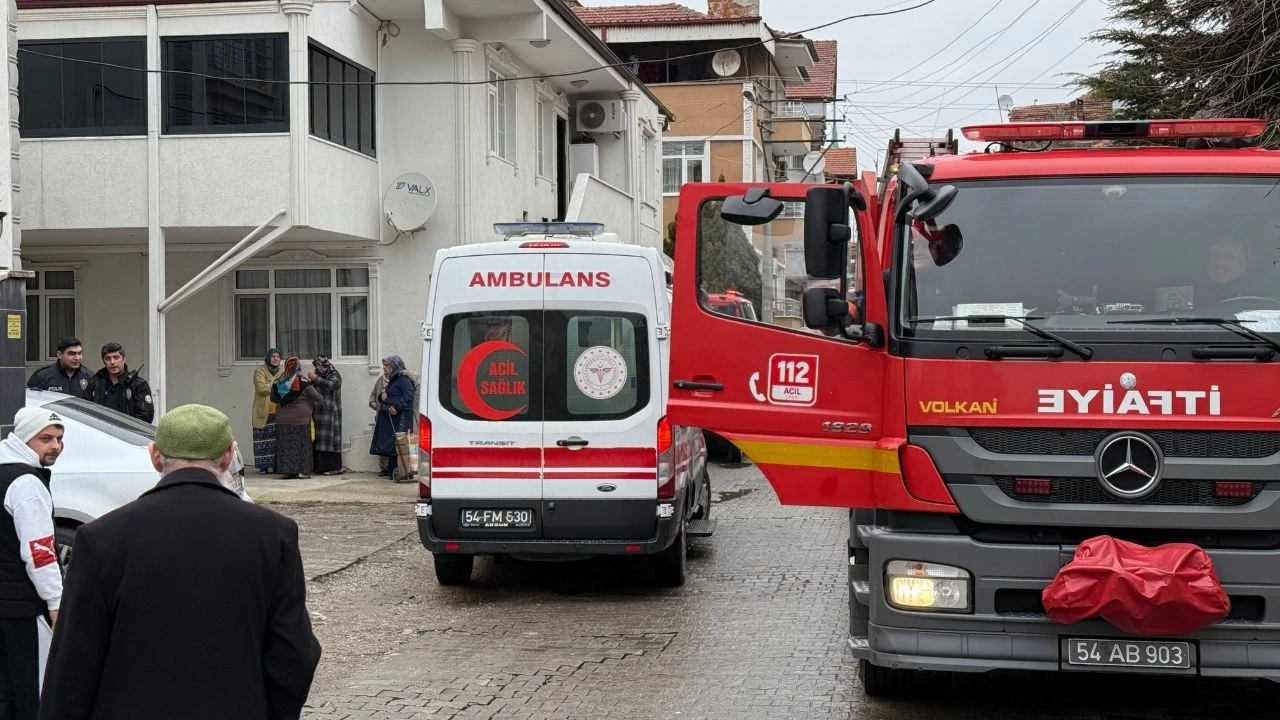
333,291
499,97
167,89
684,162
88,131
358,143
543,153
44,340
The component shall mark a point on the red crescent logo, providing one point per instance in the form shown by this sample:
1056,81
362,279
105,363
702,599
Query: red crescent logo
469,368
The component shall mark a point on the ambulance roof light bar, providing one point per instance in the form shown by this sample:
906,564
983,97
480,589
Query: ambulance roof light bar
517,229
1112,130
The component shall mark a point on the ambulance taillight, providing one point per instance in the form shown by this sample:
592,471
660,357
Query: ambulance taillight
666,461
424,458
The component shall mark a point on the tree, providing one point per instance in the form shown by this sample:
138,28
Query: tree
726,259
1192,58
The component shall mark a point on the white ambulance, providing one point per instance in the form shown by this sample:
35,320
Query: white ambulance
542,418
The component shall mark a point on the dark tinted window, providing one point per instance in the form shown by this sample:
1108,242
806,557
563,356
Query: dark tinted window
341,101
83,88
557,365
113,423
226,84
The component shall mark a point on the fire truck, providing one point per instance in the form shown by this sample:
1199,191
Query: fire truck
1063,342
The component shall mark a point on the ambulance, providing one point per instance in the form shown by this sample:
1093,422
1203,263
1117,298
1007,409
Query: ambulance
542,422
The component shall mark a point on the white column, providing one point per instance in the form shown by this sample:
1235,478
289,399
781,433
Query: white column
463,57
297,12
632,140
156,372
10,174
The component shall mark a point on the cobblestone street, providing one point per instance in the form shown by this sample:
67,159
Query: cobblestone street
757,632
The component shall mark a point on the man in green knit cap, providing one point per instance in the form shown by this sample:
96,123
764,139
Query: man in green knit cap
187,602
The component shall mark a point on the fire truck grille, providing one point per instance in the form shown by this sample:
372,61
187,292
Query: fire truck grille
1174,443
1170,492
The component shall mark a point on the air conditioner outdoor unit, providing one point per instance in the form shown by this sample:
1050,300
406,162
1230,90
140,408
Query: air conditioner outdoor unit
599,116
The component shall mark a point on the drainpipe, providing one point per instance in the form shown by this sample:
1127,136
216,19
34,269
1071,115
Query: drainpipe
630,100
156,336
463,50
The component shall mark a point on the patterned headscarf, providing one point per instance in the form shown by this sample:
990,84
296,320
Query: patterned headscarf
395,363
291,379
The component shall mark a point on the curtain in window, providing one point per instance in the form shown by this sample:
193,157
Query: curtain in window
304,324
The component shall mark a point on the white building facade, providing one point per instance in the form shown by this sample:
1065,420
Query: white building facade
233,197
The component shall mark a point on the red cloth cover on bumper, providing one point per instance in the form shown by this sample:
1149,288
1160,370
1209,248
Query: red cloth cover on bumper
1166,590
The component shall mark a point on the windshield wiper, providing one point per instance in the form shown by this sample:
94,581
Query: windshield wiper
1084,352
1226,323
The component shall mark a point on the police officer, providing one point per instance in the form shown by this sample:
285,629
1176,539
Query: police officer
65,375
119,388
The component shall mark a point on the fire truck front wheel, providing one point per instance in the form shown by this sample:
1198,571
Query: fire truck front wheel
454,569
884,682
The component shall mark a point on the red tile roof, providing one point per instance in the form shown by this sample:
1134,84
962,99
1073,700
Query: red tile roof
842,162
665,14
1082,108
822,76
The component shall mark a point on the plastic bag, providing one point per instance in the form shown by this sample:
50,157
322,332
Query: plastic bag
406,456
1167,590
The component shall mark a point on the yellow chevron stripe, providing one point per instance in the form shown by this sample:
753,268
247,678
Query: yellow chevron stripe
820,456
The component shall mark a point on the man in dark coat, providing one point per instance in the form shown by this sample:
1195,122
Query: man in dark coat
187,602
122,389
67,374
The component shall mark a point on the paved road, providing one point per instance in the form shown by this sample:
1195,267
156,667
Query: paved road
757,632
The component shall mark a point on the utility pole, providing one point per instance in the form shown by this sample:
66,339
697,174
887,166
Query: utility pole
13,280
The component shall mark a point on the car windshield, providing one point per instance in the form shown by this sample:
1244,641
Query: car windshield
1078,254
113,423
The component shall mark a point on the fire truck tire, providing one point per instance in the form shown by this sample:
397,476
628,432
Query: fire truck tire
884,682
669,565
454,569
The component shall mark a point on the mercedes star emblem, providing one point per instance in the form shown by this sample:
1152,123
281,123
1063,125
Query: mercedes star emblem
1129,465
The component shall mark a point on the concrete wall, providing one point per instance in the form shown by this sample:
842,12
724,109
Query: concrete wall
83,183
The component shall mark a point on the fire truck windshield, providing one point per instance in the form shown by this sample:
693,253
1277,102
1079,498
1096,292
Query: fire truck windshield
1080,253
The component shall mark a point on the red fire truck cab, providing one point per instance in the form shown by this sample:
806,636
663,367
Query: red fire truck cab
1051,345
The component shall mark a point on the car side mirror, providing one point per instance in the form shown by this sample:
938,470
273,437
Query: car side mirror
753,208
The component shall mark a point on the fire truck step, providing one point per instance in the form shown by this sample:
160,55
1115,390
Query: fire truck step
700,528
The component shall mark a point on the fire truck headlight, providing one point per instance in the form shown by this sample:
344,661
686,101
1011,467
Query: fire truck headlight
913,585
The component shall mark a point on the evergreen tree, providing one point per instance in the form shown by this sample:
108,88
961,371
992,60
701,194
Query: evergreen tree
1193,58
726,257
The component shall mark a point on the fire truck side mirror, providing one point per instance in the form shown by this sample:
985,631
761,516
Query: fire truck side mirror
826,232
823,308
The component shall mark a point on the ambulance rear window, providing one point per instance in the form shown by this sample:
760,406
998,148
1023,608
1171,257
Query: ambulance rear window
558,365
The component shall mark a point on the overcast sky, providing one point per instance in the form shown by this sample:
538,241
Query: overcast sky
1021,48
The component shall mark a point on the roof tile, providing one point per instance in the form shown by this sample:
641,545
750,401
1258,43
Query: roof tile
842,162
664,14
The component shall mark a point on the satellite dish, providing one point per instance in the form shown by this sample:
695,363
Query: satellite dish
409,202
1005,102
726,62
814,163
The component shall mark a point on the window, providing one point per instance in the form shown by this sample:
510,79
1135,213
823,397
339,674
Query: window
682,163
792,210
342,101
51,312
501,91
226,84
71,89
524,366
543,127
302,311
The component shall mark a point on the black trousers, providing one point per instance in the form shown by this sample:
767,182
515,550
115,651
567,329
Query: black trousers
19,669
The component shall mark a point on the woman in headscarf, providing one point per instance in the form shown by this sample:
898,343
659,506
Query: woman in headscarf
296,399
263,416
395,410
328,417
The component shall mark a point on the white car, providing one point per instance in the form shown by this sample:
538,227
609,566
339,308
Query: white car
104,463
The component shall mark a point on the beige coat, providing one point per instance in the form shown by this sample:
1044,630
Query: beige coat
262,405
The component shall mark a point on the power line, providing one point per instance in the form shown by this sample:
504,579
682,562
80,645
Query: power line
942,49
543,76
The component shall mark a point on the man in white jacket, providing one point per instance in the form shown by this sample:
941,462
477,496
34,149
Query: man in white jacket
30,577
